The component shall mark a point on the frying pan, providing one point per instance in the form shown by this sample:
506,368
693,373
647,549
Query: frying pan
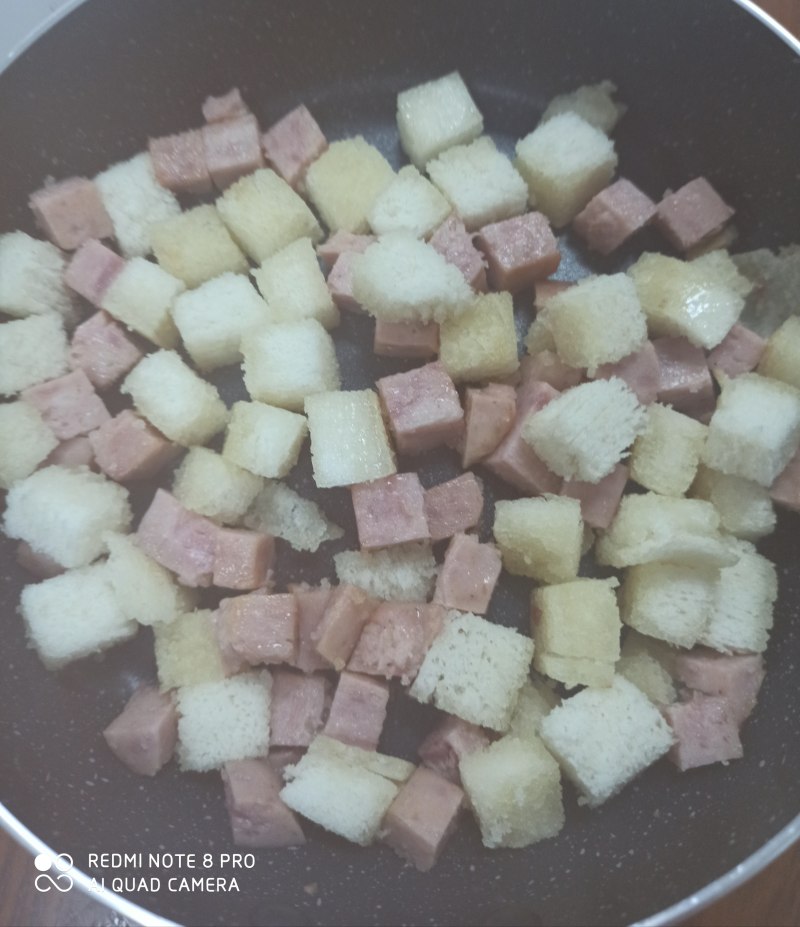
711,91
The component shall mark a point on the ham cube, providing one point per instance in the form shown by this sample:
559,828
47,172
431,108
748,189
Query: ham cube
281,757
488,416
422,817
390,511
599,501
547,367
232,663
785,490
69,405
448,743
454,243
545,289
259,628
258,816
347,611
692,215
358,710
311,605
406,339
340,283
613,216
423,408
243,559
705,732
92,270
71,212
179,162
292,144
144,735
684,379
738,352
340,243
298,704
736,678
232,149
468,575
519,251
454,506
74,452
229,105
128,448
102,349
39,565
640,370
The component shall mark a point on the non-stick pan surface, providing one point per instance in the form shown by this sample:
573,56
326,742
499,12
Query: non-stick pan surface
712,92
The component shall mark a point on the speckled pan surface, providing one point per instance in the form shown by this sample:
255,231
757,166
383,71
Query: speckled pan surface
710,92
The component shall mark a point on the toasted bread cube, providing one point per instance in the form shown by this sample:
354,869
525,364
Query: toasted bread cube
540,538
603,738
141,296
536,700
474,669
592,102
781,357
31,277
583,433
213,319
755,429
481,343
32,350
480,182
597,321
565,162
436,115
539,337
745,508
264,214
514,787
665,457
391,768
25,441
349,420
404,573
344,182
135,201
287,362
187,652
280,511
171,396
410,203
293,286
639,663
263,439
211,485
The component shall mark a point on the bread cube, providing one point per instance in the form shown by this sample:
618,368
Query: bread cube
781,357
352,421
135,201
187,651
480,182
31,277
213,319
211,485
565,162
541,537
665,457
584,433
436,115
263,439
597,321
410,203
280,511
755,429
141,296
389,767
65,514
474,669
32,350
294,287
344,182
480,343
401,279
539,337
639,665
405,573
264,214
592,102
514,787
536,700
25,441
745,508
171,396
73,615
603,738
223,720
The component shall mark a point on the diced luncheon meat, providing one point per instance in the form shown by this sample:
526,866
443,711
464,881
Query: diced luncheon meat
92,270
258,816
599,501
311,605
468,575
143,737
488,416
786,488
243,559
281,757
179,162
422,817
736,678
705,730
640,370
37,564
346,612
340,283
448,743
455,244
298,707
292,144
454,506
358,710
692,215
68,405
232,148
228,105
70,212
519,251
103,350
545,289
684,381
129,448
738,352
74,452
342,242
390,511
547,367
259,628
406,339
613,216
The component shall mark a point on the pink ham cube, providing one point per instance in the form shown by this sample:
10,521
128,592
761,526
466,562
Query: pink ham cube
129,448
71,212
340,243
785,490
736,678
468,575
232,662
298,705
599,501
39,565
406,339
243,559
74,452
739,352
347,611
390,511
547,367
488,416
102,349
705,732
454,243
640,370
615,214
179,162
259,628
92,270
519,251
281,757
453,506
340,283
448,743
232,149
69,405
692,214
358,710
684,379
311,605
228,105
258,816
143,737
292,144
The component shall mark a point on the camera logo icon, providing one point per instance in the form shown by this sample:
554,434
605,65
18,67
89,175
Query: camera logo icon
59,866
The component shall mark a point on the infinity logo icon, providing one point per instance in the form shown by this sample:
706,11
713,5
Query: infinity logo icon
62,863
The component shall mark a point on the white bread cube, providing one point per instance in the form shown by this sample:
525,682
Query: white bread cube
349,443
146,591
390,767
222,721
480,343
280,511
73,615
25,441
195,246
536,700
263,439
700,299
187,652
65,513
173,398
593,102
410,203
539,337
480,183
565,162
474,669
31,273
264,214
745,508
603,738
436,115
213,319
584,433
142,296
210,484
294,287
663,653
639,665
403,573
755,429
401,279
514,788
669,601
665,457
597,321
781,357
344,182
541,537
135,201
32,350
